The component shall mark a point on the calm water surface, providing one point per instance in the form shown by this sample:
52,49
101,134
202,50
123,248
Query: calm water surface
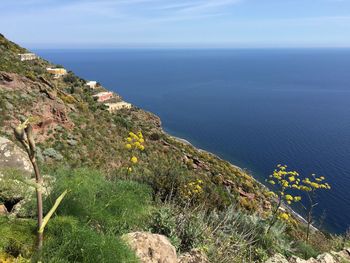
256,108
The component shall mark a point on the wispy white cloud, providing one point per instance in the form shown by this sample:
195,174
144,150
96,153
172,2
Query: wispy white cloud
151,9
148,21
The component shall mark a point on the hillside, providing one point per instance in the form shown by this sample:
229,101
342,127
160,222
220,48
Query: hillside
193,197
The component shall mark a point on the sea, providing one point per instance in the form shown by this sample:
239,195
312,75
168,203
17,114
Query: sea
253,107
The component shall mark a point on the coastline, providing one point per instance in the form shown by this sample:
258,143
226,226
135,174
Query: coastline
284,206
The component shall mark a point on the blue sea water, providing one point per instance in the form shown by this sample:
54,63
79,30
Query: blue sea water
255,108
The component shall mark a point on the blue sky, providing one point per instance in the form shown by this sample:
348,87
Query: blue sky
177,23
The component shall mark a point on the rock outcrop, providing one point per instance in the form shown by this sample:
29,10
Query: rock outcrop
154,248
342,256
13,157
15,171
17,191
151,248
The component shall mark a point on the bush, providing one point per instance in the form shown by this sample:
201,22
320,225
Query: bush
184,228
105,205
166,176
305,250
68,240
17,236
164,223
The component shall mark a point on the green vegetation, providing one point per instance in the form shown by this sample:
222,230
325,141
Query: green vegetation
86,226
115,207
120,179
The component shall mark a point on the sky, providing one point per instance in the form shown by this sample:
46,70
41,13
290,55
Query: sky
176,23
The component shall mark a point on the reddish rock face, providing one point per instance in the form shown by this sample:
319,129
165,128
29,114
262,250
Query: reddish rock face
44,103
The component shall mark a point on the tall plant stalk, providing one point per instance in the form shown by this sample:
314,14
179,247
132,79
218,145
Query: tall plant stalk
24,134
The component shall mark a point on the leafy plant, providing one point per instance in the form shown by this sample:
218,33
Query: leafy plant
69,240
107,206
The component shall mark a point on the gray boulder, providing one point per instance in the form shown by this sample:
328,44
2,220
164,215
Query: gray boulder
17,181
15,172
12,156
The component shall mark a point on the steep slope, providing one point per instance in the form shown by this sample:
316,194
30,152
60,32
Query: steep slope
85,133
200,201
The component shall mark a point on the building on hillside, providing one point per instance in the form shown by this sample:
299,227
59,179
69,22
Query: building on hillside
57,72
112,107
27,56
91,84
103,96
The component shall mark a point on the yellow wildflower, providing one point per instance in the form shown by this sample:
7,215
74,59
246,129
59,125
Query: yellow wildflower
134,159
128,146
284,216
297,198
289,198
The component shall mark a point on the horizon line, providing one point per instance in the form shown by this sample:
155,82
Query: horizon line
175,46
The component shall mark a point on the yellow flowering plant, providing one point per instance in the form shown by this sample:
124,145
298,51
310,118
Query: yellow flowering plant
310,186
135,144
283,216
192,189
284,181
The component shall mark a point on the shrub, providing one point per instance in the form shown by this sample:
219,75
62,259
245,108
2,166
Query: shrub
305,250
70,78
184,228
108,206
17,236
68,240
166,176
69,99
164,223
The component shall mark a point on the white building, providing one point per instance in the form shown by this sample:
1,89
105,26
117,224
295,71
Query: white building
57,72
112,107
103,96
91,84
27,56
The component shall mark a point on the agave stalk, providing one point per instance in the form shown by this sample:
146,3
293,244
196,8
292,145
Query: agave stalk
24,134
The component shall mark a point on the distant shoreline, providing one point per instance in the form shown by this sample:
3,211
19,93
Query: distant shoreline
182,140
284,206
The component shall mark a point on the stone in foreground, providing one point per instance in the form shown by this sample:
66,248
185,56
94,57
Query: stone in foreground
151,248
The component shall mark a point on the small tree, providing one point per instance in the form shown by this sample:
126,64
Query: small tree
284,181
24,134
310,186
